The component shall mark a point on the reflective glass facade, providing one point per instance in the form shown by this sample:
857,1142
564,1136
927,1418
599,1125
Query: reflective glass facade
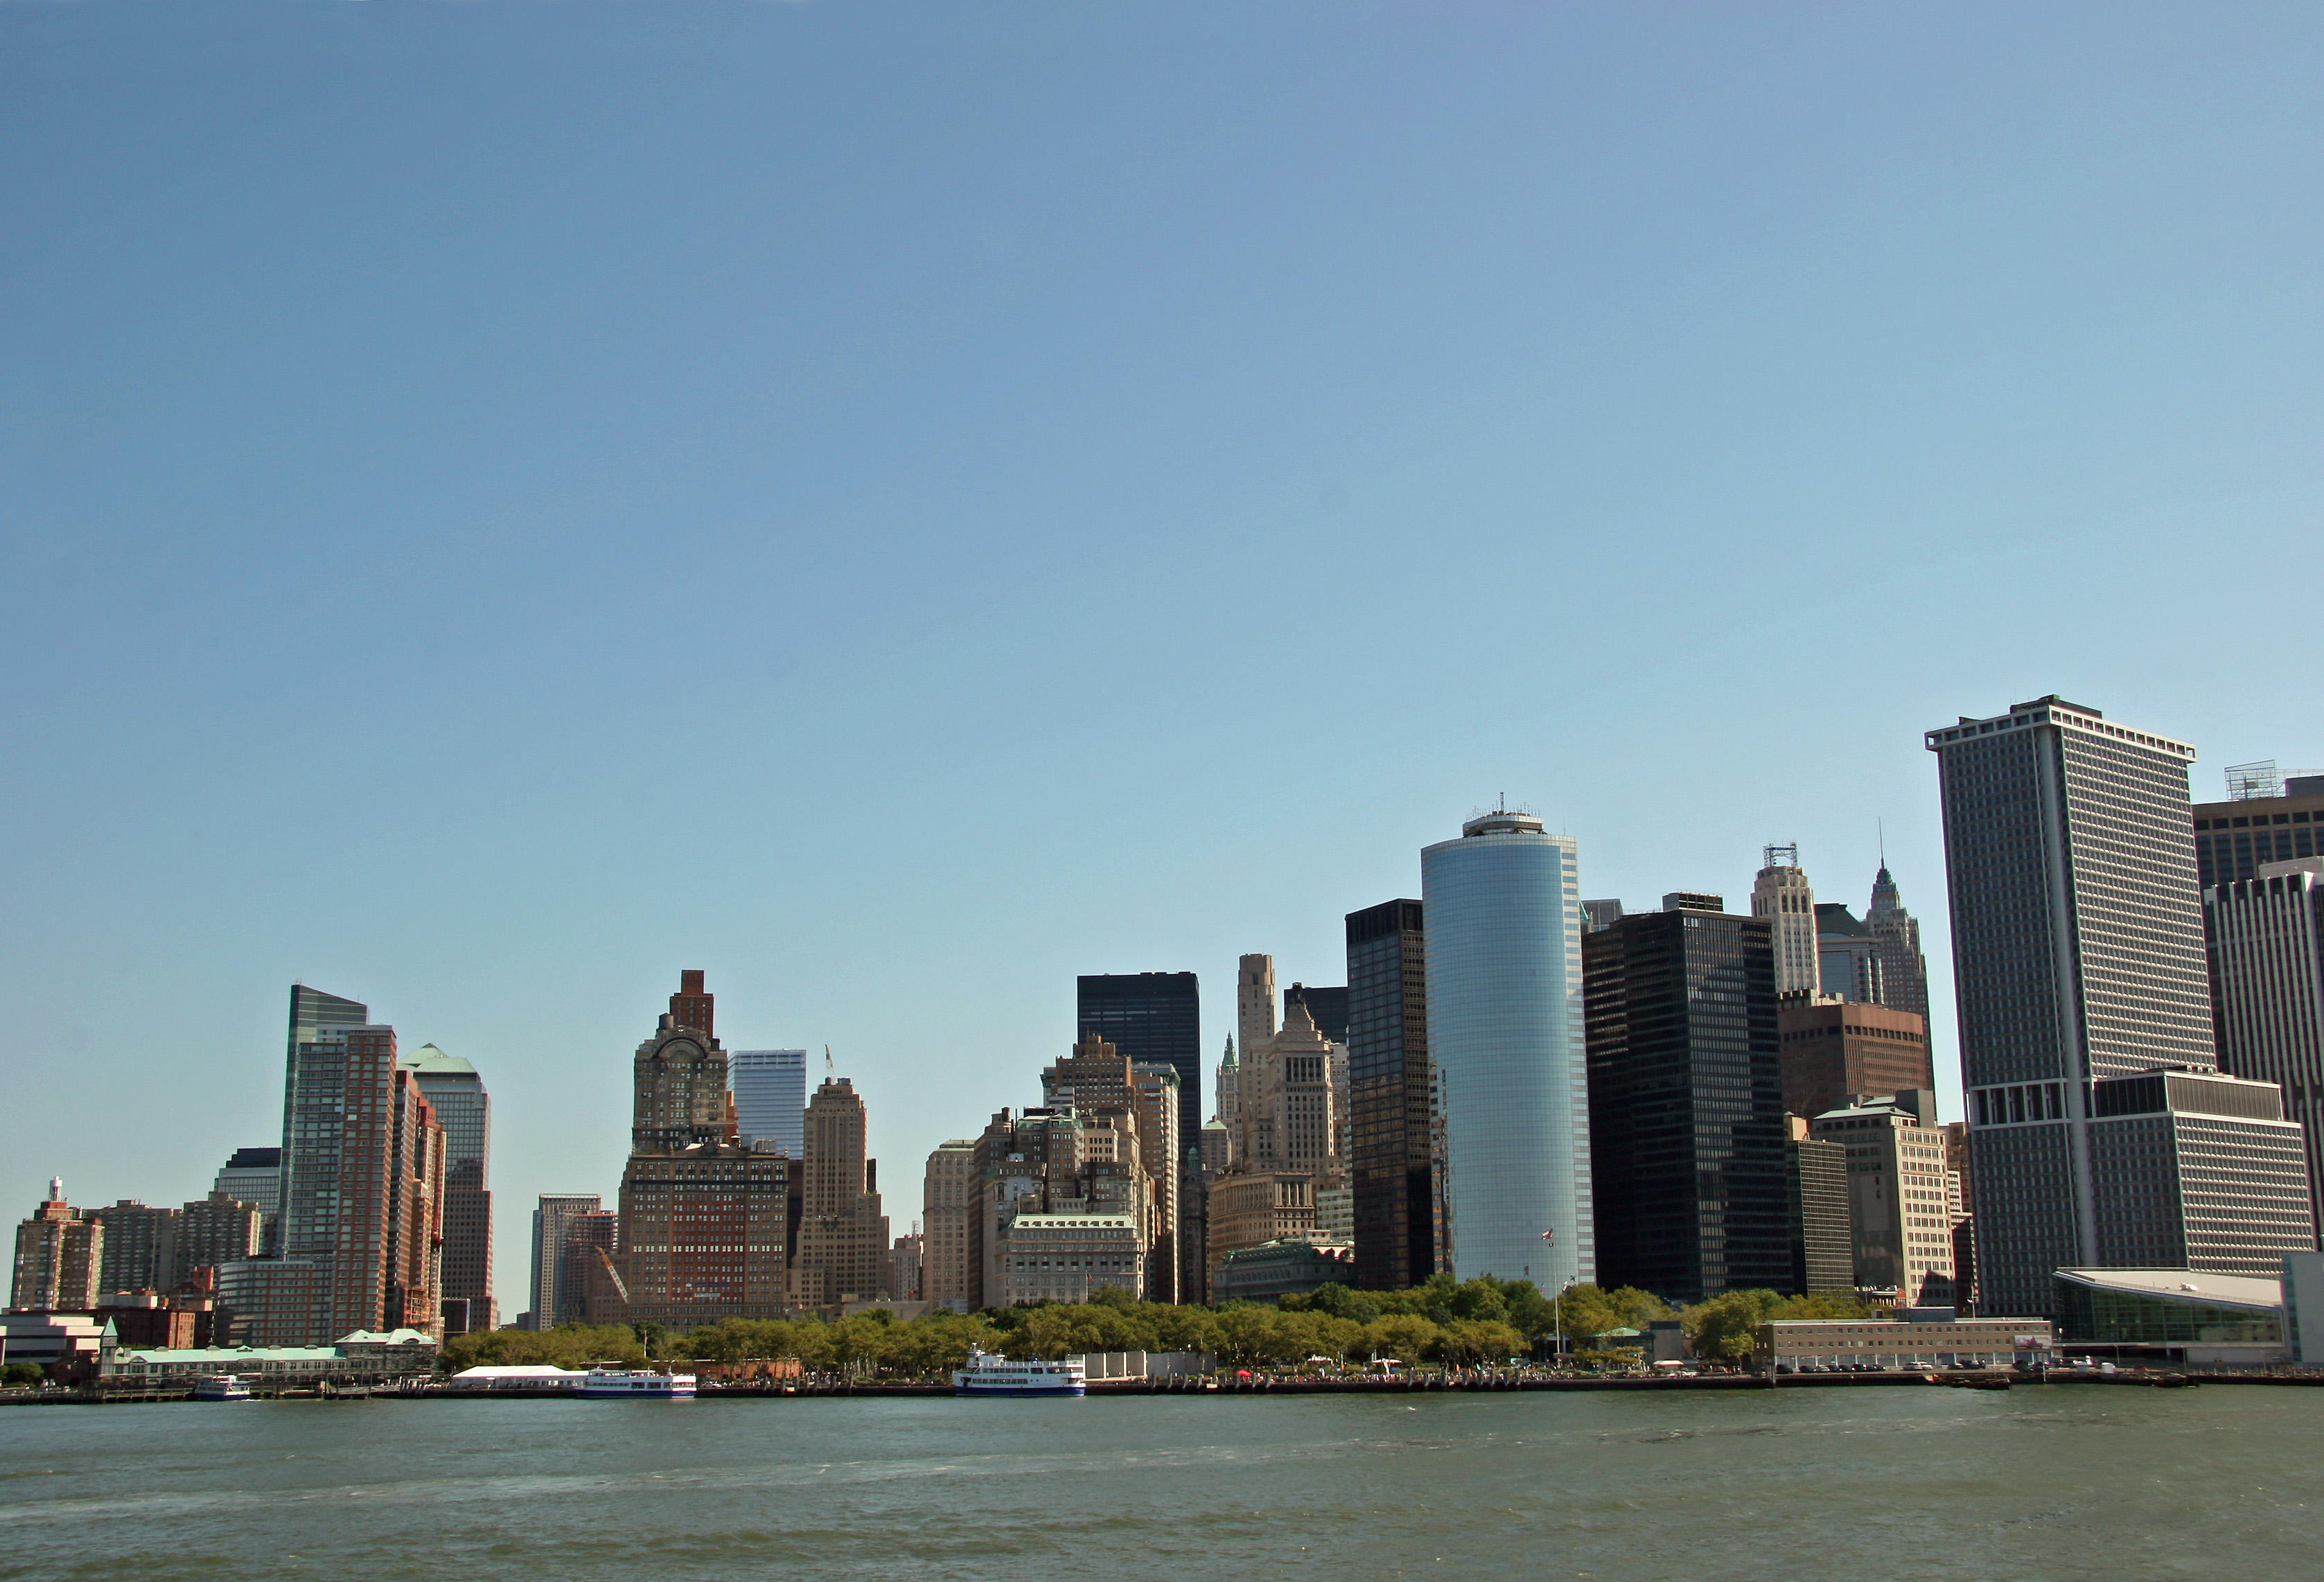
1505,1032
769,1087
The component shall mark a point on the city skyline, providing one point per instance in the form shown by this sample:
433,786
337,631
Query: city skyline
893,1114
1001,505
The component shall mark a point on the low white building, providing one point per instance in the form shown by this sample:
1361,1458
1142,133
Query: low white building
1814,1345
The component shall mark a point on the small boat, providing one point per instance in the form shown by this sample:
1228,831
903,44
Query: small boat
987,1374
634,1385
220,1387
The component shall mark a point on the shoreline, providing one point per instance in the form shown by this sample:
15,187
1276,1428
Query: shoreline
1983,1381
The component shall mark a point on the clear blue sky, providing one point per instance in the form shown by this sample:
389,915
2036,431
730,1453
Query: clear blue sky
898,505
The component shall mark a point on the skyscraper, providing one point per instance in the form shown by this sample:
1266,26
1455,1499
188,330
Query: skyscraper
770,1098
252,1176
1503,979
843,1237
556,1290
1255,1021
357,1243
2266,936
141,1247
1391,1157
1897,943
2100,1131
458,1096
704,1228
951,1274
1151,1017
1781,894
1686,1108
59,1256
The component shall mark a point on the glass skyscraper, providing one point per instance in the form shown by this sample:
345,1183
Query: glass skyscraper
1391,1135
1503,905
770,1088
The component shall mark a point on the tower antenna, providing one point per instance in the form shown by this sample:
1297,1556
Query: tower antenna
830,1071
1880,826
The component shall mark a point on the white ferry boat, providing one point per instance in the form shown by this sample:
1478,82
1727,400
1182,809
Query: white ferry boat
220,1387
634,1385
987,1374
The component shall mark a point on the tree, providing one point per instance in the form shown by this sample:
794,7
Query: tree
1405,1337
1337,1300
568,1346
22,1374
1466,1342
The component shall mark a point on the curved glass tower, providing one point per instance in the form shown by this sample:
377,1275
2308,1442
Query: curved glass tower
1504,974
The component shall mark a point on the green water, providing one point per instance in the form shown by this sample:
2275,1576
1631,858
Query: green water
2066,1481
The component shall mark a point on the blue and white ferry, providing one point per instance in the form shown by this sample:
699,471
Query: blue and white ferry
634,1385
987,1374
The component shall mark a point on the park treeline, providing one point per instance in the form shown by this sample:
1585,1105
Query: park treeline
1458,1324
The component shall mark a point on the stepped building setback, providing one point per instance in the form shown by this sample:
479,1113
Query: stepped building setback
2101,1131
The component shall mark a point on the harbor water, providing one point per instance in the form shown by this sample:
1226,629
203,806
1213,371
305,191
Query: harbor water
2060,1481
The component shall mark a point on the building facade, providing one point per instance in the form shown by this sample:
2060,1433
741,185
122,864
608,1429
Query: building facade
1901,1197
1391,1154
770,1098
2079,961
59,1257
704,1231
456,1093
844,1238
1834,1050
1068,1257
555,1290
1896,944
2264,937
1823,1252
1505,1037
1686,1110
952,1251
141,1247
1154,1018
2271,822
358,1243
1781,894
1252,1208
252,1176
1848,959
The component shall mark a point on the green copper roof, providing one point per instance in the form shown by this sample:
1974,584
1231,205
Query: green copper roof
428,1058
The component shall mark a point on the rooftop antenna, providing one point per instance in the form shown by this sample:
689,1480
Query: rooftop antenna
829,1070
1880,827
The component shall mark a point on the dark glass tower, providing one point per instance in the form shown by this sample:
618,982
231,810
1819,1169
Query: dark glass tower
1155,1018
1686,1105
1391,1162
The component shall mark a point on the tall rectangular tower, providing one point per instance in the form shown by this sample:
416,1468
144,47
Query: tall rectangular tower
1686,1104
556,1290
1389,1135
456,1093
769,1097
2079,969
2266,936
